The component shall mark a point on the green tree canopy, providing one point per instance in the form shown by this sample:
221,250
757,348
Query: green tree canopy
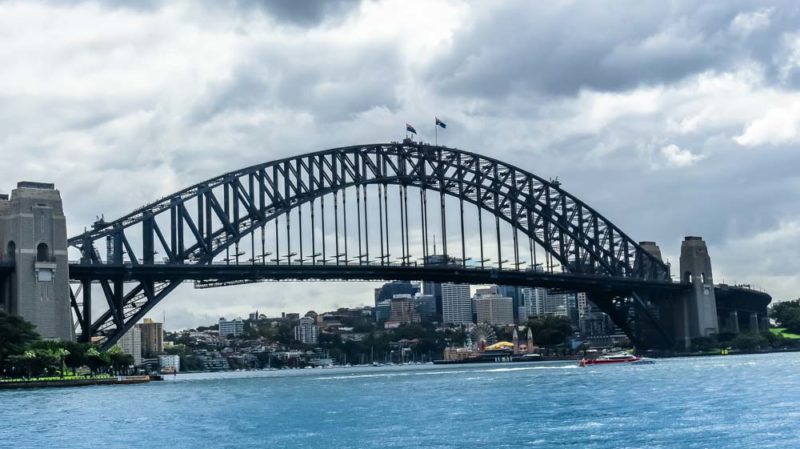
16,335
550,330
787,314
749,341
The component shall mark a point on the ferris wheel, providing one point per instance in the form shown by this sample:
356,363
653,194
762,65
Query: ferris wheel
482,336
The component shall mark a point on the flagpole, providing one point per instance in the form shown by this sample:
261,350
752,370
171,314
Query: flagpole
436,133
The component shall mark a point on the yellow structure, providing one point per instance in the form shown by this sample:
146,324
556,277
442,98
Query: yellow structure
500,345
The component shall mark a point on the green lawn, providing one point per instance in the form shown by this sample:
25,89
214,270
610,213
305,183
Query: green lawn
780,331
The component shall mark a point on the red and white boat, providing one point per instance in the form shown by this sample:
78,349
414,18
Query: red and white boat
621,357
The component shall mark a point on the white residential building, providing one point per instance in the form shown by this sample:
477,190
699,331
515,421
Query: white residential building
170,363
306,332
232,328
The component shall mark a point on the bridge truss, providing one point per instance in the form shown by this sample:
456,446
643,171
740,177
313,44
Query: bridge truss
384,211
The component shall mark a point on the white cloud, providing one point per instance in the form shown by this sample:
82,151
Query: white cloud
677,157
778,125
747,22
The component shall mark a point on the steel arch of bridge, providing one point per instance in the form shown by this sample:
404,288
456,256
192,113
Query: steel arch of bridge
210,218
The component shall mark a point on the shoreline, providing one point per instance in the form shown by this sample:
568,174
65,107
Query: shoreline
142,379
119,380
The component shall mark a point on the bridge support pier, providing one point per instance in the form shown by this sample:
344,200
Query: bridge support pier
733,322
33,235
699,305
754,323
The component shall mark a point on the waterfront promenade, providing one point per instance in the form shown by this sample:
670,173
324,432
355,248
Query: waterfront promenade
713,402
72,381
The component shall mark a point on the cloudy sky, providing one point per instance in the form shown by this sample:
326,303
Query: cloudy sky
670,118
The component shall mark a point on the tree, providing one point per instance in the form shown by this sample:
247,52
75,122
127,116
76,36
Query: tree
96,359
748,342
550,330
120,361
704,344
16,335
36,362
24,361
52,354
787,314
77,355
774,340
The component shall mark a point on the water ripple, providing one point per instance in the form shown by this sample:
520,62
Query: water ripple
722,402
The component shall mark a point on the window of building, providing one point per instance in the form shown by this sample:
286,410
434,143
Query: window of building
42,253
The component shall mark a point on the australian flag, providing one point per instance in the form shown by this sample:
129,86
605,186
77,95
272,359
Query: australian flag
410,129
440,123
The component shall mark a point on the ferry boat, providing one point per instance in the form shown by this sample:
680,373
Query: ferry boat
620,357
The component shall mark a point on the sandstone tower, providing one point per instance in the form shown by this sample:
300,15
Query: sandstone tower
33,235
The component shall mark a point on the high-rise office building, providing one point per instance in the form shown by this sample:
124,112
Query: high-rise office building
456,304
402,310
494,309
425,305
389,289
383,310
435,288
534,299
152,338
583,304
515,293
131,343
557,303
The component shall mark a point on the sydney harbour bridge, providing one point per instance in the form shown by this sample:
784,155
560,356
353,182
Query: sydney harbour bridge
396,211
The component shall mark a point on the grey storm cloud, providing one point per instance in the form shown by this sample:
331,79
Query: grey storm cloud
335,86
297,13
558,48
670,118
302,13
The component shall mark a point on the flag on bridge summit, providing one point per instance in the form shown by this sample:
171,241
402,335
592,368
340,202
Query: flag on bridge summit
440,123
410,129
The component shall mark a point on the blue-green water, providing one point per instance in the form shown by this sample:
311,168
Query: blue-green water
734,401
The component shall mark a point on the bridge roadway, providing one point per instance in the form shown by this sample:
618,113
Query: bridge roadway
729,297
226,274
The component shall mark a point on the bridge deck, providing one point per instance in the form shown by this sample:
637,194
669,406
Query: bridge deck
223,273
730,298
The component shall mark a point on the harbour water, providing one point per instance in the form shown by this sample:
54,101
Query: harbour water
713,402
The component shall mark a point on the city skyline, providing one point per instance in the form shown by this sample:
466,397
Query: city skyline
690,113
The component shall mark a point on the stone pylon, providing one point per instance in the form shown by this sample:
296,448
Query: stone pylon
33,235
698,314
